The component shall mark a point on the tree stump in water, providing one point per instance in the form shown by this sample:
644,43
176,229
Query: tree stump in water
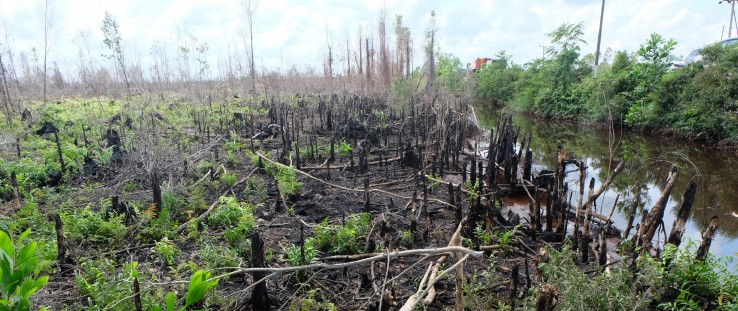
677,230
704,248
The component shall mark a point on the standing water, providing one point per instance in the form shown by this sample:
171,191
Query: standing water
648,161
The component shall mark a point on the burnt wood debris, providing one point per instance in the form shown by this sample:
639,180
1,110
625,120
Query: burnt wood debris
435,186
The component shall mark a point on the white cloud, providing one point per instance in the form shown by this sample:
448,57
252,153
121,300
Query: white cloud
290,32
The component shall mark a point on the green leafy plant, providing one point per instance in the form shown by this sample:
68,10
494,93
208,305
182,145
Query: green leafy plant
229,180
406,238
473,190
157,227
505,238
482,236
86,226
342,239
287,180
18,272
436,180
218,256
343,148
167,251
200,284
292,253
313,301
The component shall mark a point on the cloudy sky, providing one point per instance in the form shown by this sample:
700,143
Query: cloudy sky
295,33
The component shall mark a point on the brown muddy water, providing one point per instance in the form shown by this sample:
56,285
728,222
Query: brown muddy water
648,160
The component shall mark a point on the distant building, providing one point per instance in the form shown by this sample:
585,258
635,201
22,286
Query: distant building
478,63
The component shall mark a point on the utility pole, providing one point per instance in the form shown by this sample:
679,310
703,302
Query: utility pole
732,17
543,51
599,37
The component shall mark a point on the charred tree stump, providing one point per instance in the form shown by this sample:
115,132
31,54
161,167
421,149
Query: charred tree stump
259,298
528,164
156,189
18,147
15,204
586,234
602,249
582,176
549,212
137,295
63,261
59,151
514,286
677,230
537,216
473,169
547,298
707,236
632,213
367,204
655,217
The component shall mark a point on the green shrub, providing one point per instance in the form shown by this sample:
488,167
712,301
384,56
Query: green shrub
229,180
158,226
342,239
216,256
230,213
167,251
579,291
86,226
292,253
287,180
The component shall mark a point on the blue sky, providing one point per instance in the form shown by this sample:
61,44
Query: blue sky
295,33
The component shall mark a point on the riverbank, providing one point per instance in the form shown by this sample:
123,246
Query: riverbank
649,159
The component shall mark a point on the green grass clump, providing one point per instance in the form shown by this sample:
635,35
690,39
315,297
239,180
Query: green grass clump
342,239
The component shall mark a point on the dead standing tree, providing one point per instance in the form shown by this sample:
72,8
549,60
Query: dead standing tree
113,42
5,91
249,7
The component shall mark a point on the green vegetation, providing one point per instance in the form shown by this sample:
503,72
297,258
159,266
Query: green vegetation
19,273
635,89
675,282
341,239
293,253
287,180
86,226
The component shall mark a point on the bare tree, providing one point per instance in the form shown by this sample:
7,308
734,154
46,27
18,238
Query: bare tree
160,66
368,68
113,42
328,70
430,36
5,90
348,57
384,62
403,46
185,43
249,7
360,62
86,63
48,22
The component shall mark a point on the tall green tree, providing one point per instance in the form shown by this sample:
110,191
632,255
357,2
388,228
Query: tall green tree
654,54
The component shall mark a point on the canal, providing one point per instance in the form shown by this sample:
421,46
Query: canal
648,160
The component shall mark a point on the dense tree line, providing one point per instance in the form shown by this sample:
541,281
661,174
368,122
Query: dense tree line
639,90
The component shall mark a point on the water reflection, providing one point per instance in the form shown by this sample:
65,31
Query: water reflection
648,160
